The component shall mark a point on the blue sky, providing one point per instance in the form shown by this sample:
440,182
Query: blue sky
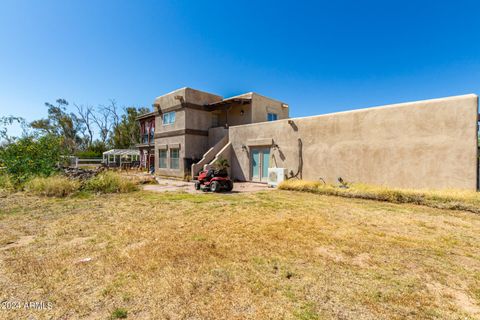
318,56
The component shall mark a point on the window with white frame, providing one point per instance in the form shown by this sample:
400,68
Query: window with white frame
162,158
174,158
169,118
272,117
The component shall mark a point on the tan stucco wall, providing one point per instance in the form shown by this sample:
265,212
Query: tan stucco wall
215,135
261,106
179,124
195,146
170,142
235,116
189,96
424,144
198,119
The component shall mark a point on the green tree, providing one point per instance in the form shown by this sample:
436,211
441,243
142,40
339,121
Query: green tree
31,156
126,133
95,150
62,124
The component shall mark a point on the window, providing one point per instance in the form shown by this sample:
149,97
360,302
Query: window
272,117
214,120
162,156
174,158
169,118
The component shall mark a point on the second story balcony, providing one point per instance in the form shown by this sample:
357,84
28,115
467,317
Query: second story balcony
147,139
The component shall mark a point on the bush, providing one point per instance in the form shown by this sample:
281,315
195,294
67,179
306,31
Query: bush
54,186
88,154
30,156
110,182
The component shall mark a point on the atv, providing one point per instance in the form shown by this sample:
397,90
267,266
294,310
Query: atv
213,180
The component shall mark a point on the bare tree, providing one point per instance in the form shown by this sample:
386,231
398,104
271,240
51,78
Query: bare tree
86,116
102,119
106,118
114,112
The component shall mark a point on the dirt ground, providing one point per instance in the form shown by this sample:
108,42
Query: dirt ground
167,185
254,255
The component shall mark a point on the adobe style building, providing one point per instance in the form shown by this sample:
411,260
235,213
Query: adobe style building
189,122
424,144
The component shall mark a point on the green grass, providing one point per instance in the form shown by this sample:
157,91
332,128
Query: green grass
119,314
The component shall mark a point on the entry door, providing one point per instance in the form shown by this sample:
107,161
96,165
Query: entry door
260,159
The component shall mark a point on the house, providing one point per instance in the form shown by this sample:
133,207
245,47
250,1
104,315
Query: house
421,144
189,122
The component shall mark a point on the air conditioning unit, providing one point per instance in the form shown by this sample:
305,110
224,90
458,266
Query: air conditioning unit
275,176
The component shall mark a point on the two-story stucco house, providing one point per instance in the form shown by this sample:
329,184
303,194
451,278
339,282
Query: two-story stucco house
395,145
191,126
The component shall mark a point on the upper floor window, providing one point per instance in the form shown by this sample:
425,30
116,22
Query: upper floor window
169,118
272,117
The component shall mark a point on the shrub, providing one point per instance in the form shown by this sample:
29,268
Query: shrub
31,156
54,186
221,164
88,154
110,182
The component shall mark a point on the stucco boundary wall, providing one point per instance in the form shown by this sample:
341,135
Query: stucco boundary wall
424,144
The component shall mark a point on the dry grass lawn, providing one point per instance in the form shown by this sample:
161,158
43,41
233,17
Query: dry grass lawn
268,255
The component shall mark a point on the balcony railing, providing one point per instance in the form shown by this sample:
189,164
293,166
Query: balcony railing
146,139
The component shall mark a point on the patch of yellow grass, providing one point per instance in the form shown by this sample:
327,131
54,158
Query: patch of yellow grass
139,177
6,184
268,255
55,186
443,199
110,182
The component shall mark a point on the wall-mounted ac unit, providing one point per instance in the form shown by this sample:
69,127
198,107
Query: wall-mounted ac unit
275,176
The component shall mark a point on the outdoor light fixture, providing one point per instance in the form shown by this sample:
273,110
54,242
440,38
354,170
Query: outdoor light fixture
275,146
244,148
